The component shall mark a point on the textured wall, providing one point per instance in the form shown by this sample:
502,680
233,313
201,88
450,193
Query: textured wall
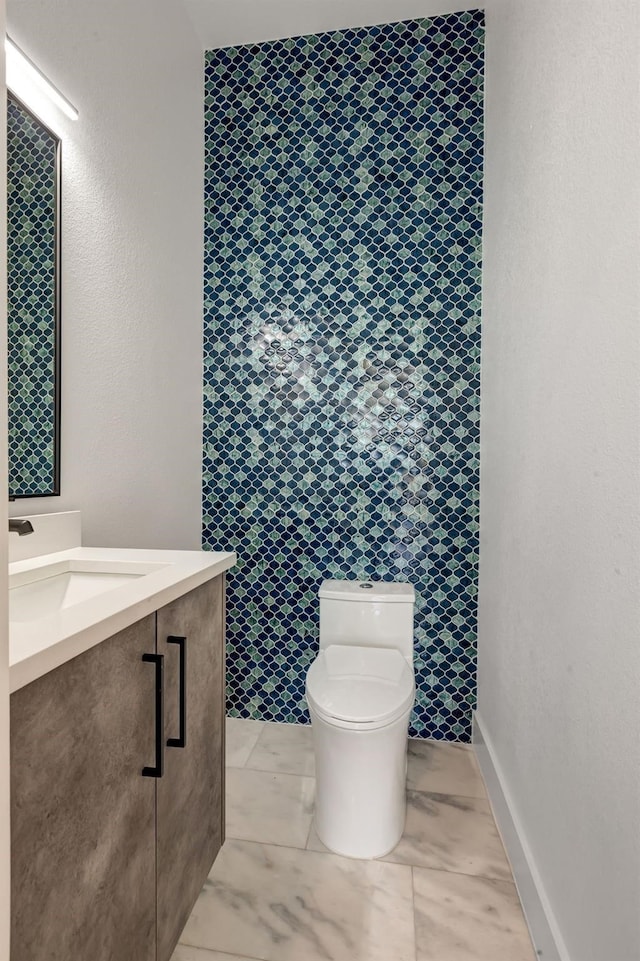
559,658
342,297
131,262
32,231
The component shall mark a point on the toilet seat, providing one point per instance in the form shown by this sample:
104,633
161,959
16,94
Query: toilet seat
360,687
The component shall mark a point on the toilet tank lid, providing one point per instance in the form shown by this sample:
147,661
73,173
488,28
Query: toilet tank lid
383,592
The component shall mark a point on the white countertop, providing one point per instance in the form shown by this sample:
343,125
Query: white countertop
37,647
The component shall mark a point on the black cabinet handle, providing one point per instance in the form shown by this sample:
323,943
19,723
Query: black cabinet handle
158,660
181,740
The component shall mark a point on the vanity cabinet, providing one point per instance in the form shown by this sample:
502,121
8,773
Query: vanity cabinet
190,795
107,862
82,817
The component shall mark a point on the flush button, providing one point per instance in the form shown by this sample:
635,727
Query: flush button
366,587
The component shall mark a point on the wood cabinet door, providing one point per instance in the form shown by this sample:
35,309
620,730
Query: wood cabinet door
190,796
83,867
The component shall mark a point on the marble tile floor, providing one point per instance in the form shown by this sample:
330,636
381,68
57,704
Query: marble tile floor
276,893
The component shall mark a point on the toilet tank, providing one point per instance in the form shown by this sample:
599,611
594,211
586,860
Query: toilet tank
367,614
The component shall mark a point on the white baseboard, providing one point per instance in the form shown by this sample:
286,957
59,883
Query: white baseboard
545,935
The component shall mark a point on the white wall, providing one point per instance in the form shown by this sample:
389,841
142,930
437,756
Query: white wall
559,649
132,264
4,633
224,23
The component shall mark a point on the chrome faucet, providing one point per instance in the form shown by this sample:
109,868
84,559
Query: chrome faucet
20,526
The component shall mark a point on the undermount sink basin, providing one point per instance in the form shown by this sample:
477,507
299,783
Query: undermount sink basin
49,589
63,602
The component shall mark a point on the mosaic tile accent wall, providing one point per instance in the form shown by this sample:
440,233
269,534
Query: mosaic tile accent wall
31,252
342,336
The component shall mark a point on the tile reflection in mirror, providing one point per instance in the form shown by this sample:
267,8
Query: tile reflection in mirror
33,266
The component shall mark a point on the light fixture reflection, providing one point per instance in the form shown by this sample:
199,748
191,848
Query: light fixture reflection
23,75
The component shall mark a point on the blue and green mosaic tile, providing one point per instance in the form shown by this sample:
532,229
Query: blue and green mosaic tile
32,194
343,197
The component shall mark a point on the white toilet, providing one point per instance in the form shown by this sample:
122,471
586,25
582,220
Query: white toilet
360,691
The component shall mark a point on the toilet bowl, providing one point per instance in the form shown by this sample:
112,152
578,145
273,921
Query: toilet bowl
360,692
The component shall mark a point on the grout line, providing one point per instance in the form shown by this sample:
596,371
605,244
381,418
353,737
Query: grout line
468,797
212,951
414,790
384,860
460,874
306,845
260,770
239,767
413,907
268,770
252,749
254,746
253,767
275,844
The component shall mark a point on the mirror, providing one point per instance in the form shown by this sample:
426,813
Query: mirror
33,290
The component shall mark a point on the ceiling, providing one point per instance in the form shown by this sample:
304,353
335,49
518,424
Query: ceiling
225,23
